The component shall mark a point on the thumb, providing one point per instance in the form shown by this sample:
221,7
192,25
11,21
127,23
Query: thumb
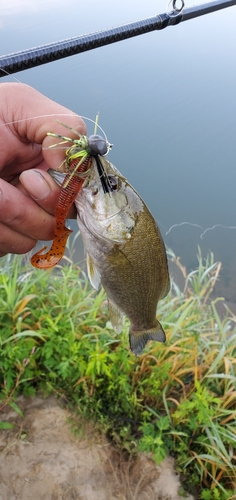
40,186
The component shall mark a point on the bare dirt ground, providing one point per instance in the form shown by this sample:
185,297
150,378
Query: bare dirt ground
41,459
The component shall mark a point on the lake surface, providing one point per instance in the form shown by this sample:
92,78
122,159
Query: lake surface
167,101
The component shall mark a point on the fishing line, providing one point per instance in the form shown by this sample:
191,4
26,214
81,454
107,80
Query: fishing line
202,235
102,174
38,116
214,227
95,122
57,114
183,224
8,74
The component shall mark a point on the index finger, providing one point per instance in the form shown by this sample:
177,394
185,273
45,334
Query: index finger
31,115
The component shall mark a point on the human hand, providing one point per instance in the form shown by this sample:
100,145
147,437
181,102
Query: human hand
28,194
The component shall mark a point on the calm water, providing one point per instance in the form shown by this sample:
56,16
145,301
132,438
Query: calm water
167,101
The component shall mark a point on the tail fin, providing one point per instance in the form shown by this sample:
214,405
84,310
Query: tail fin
139,338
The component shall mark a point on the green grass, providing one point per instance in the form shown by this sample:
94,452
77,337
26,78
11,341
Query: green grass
177,398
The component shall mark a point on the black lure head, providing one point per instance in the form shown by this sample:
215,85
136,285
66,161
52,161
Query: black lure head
97,145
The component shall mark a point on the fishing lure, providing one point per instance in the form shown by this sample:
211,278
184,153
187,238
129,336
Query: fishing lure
77,163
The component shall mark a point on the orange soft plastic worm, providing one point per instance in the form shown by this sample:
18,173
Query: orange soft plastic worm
61,232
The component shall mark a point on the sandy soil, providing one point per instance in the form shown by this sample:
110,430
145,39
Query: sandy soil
41,459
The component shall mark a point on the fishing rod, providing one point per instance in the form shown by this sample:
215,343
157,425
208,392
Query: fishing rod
30,58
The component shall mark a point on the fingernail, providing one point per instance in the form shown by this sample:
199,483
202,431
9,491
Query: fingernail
35,184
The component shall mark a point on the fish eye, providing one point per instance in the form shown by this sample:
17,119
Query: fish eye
113,182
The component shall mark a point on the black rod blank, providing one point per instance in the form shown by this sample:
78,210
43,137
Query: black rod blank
30,58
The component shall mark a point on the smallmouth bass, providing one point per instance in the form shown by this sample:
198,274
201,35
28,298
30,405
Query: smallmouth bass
125,252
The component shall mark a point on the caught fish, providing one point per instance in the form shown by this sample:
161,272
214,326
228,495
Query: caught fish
77,163
125,251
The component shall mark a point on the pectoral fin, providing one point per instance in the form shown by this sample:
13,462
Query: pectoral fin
139,338
116,316
93,273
